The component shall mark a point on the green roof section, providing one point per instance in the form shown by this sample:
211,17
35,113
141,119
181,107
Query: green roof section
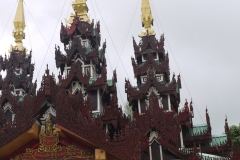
167,84
211,157
109,83
88,50
100,54
20,99
218,140
95,114
177,88
91,80
142,64
136,87
196,130
158,62
149,48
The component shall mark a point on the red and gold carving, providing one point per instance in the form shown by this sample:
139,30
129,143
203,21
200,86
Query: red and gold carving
49,148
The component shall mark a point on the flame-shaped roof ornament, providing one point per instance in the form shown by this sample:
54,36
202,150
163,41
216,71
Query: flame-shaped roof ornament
147,19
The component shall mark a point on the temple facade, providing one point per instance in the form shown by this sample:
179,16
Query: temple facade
75,115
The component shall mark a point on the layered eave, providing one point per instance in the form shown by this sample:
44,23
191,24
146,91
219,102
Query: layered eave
18,59
95,55
162,87
86,29
149,44
160,66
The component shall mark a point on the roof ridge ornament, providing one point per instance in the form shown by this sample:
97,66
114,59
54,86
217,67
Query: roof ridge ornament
81,9
19,26
147,19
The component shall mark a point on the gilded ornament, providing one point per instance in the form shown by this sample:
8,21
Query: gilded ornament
147,19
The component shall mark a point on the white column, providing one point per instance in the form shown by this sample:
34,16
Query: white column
139,107
13,116
106,128
169,103
150,152
65,70
181,138
160,147
83,71
159,103
91,68
98,100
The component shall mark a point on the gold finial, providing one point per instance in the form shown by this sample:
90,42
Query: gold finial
19,26
80,6
147,19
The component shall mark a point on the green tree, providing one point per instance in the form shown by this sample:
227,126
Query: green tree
235,135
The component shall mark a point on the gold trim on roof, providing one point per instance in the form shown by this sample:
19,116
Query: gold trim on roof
50,148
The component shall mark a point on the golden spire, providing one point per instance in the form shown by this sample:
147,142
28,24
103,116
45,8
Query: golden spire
80,6
19,26
147,19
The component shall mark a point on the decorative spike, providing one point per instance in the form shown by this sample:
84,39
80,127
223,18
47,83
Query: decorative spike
47,70
19,26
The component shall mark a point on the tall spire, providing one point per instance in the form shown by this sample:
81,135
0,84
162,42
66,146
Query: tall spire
19,26
81,8
147,19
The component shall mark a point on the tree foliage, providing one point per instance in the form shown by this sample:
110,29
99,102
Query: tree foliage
235,134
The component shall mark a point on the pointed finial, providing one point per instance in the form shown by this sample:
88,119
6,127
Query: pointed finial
81,9
19,26
47,70
147,19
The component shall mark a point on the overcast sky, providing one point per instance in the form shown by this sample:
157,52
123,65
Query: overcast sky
202,36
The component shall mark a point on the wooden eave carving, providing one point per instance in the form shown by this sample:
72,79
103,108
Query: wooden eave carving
47,90
132,92
18,59
114,115
22,122
221,150
165,123
101,82
201,137
148,41
123,145
161,67
84,28
75,71
186,114
59,57
76,47
163,88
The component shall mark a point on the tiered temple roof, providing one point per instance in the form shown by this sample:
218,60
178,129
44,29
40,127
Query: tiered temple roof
77,116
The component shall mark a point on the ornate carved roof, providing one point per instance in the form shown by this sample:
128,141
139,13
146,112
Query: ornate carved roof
19,70
110,129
